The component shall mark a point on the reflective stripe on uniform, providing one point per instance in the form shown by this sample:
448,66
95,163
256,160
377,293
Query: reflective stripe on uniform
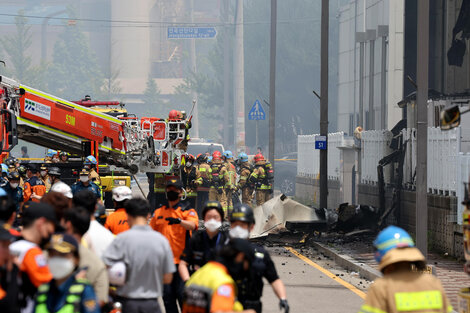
414,301
395,242
370,309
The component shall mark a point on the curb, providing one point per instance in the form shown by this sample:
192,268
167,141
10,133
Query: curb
349,263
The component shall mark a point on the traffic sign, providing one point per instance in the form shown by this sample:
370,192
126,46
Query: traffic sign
191,32
320,143
257,112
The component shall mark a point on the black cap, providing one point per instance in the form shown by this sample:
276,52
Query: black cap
5,233
235,245
243,213
174,182
35,210
63,243
213,205
32,167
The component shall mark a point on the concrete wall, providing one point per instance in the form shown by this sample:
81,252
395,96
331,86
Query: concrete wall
307,190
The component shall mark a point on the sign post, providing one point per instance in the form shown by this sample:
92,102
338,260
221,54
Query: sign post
257,113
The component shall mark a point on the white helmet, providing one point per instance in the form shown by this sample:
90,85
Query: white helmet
62,188
122,193
117,274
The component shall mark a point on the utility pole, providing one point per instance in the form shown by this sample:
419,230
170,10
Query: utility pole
325,12
225,5
422,127
272,82
194,69
239,119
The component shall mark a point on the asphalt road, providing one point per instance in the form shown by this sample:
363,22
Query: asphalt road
309,289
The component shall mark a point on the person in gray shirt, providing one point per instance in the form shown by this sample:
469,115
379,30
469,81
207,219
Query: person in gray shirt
148,259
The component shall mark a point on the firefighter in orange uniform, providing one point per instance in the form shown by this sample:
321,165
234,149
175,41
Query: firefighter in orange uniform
34,188
116,222
175,221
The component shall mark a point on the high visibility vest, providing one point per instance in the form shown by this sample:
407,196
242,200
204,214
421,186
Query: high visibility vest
202,285
72,300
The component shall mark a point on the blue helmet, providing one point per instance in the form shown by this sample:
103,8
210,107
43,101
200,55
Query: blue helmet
243,157
209,159
228,154
390,238
3,193
90,160
4,168
51,153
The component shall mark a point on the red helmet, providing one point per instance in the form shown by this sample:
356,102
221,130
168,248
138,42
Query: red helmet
259,157
216,155
173,115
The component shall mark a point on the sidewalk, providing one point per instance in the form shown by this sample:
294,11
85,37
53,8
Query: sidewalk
359,250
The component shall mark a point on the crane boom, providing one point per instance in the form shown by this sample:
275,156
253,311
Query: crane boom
146,145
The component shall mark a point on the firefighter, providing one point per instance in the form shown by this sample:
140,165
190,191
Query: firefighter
43,171
259,179
49,158
244,174
34,188
116,222
219,180
212,288
188,177
90,163
203,182
404,286
11,163
250,286
54,175
175,221
231,181
63,157
85,183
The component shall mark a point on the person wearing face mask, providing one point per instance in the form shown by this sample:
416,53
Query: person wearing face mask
212,288
250,287
14,190
116,222
39,222
175,221
204,243
188,177
44,175
65,292
85,183
34,188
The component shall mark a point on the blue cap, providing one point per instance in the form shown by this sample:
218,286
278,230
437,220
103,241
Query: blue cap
390,238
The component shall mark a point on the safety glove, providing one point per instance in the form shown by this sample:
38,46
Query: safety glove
283,305
173,220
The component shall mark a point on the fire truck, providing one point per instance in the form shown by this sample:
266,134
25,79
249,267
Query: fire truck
148,144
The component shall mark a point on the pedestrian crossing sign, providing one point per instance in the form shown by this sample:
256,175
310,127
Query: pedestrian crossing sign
257,112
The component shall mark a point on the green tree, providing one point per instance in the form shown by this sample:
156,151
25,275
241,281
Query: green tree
152,99
16,48
74,71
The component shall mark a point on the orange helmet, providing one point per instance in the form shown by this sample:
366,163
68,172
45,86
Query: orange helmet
259,157
190,157
173,115
216,155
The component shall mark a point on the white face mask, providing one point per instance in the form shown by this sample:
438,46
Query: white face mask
13,185
60,267
239,232
43,173
212,225
84,179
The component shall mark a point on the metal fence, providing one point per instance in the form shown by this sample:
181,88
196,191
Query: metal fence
308,159
374,146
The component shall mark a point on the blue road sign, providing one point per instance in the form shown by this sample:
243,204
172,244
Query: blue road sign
257,113
191,32
320,143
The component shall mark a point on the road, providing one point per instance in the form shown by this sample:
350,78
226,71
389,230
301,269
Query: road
309,289
312,283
